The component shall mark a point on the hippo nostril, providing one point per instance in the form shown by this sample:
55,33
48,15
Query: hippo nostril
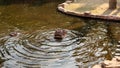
13,34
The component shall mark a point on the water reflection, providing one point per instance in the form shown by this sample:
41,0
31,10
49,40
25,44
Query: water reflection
96,47
40,49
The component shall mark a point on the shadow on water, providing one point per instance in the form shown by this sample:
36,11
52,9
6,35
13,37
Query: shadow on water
29,2
24,17
87,27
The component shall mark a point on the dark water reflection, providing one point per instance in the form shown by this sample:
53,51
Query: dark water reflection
28,17
87,42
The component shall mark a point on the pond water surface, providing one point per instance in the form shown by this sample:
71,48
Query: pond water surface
88,41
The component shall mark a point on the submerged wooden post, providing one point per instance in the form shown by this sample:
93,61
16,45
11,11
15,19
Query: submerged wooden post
112,4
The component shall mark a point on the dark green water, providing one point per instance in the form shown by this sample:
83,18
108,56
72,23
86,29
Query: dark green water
87,42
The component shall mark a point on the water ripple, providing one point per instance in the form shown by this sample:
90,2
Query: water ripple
38,49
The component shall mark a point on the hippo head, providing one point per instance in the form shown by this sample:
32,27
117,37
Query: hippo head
60,34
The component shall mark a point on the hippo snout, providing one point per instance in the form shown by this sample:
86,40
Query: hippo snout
60,34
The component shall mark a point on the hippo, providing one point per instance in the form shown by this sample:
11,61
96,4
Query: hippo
60,34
